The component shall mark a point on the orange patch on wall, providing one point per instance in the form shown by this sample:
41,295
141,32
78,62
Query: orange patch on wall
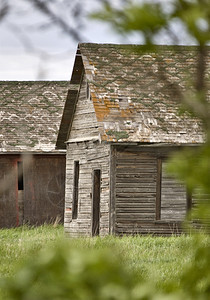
125,112
102,108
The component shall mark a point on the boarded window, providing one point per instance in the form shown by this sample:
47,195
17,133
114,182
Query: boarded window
171,196
75,190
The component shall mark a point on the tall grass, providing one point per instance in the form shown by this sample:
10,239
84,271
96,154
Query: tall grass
18,243
159,259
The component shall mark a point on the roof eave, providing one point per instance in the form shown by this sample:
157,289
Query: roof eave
71,100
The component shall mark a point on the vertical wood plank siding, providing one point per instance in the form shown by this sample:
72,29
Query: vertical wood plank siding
9,210
44,189
41,199
136,192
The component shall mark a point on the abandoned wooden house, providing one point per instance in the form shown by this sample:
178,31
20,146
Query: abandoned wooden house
32,172
121,122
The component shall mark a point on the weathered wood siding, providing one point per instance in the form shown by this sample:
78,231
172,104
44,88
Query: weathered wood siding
91,156
41,200
44,190
83,146
135,192
9,216
201,199
84,122
173,197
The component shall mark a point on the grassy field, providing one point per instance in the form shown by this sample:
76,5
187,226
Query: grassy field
159,258
18,243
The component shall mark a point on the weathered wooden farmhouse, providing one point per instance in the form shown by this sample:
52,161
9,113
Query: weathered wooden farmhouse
121,122
32,172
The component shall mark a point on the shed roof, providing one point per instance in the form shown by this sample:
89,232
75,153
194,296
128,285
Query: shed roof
30,114
136,93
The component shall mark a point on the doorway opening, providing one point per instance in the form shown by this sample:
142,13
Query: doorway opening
96,202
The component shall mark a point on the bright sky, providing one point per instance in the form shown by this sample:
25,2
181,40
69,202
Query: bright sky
28,53
32,48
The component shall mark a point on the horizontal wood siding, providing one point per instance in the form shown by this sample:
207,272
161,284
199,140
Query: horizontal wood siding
136,192
91,156
173,197
84,122
201,199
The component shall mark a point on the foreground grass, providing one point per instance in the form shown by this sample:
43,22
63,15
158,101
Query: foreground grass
18,243
160,259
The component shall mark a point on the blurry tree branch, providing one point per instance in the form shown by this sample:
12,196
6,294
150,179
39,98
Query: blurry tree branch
4,9
56,18
68,16
150,19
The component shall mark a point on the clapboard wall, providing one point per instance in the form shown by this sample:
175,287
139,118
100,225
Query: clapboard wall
90,156
136,185
84,125
136,194
83,146
173,197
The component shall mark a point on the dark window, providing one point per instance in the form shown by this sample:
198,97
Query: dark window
87,91
20,176
75,190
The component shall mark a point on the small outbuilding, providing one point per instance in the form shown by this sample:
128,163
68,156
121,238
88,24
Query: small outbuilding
32,172
120,124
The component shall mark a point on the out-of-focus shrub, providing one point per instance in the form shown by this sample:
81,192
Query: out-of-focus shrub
66,272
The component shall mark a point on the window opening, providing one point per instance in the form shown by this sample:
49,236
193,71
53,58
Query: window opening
96,202
87,91
75,190
172,199
158,189
20,176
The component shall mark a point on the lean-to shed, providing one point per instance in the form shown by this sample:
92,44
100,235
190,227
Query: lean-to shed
32,172
121,122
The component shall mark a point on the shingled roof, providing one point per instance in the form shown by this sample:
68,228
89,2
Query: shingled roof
30,114
135,94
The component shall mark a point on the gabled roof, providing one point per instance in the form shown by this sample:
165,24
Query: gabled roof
134,93
30,114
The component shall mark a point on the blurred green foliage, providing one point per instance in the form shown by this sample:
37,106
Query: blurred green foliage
152,19
66,271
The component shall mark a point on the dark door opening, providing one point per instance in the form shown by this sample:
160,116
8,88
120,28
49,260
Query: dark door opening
96,202
75,190
20,176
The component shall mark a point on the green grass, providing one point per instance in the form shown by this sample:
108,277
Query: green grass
18,243
160,259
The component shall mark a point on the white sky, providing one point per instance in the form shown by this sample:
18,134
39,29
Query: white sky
30,53
52,53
